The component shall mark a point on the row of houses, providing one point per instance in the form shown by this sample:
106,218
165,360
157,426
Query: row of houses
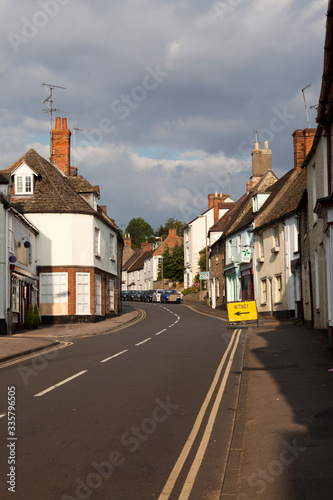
141,266
275,244
59,249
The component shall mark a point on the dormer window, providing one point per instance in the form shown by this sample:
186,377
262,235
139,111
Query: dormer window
23,177
23,184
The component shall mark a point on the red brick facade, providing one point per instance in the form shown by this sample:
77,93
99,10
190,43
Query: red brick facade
303,140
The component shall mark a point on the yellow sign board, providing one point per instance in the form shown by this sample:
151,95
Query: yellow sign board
242,311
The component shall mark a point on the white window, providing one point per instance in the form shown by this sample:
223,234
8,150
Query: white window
98,294
278,288
229,248
53,288
11,236
82,293
263,288
261,246
317,280
97,242
23,184
112,253
238,243
111,295
314,192
276,236
15,295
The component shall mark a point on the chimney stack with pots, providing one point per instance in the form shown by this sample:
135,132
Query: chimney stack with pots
60,146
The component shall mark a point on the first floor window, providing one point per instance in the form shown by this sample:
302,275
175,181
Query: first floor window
98,294
82,293
278,284
111,295
15,295
263,284
97,242
53,288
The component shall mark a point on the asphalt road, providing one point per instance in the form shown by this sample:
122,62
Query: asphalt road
142,413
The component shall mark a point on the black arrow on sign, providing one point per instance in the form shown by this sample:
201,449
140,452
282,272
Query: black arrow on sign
239,313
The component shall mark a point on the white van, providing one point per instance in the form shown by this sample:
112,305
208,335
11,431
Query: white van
157,295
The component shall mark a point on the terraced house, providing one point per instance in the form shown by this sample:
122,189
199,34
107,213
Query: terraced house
78,247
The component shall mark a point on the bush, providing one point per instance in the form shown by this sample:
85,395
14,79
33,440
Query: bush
29,319
36,315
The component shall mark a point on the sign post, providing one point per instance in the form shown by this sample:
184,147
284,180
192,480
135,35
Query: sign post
242,311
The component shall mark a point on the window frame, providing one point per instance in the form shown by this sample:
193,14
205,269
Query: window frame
26,179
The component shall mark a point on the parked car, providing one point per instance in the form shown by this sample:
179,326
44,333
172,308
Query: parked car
130,295
170,296
149,296
124,295
143,296
157,295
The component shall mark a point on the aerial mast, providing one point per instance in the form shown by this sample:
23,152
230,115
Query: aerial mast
49,103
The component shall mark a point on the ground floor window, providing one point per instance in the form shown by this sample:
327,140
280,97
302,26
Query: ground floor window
278,288
53,288
82,293
98,294
111,295
15,295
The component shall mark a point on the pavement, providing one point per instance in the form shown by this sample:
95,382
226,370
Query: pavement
282,443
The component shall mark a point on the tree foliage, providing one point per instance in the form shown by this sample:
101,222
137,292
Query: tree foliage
139,230
173,264
170,223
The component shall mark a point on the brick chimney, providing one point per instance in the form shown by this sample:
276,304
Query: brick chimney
215,201
60,146
261,162
303,140
127,240
146,246
104,209
172,232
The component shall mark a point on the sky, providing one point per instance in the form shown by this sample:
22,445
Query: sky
166,95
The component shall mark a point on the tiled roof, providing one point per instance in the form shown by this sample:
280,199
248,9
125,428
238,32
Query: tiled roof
81,185
139,263
245,215
4,177
132,259
286,195
54,192
225,221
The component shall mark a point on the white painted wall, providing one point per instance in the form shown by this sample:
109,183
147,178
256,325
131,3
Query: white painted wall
68,240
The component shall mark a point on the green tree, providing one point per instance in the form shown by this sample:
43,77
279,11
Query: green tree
170,223
173,264
202,261
139,230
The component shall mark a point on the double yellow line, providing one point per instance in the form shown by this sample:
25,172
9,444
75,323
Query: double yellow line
189,482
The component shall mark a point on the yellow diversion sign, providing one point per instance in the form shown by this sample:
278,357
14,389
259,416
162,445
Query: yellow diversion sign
242,311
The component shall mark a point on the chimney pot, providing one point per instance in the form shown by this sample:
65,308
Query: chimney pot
265,144
58,122
64,123
256,145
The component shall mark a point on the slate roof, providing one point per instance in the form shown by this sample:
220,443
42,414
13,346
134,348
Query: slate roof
286,196
53,191
4,177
